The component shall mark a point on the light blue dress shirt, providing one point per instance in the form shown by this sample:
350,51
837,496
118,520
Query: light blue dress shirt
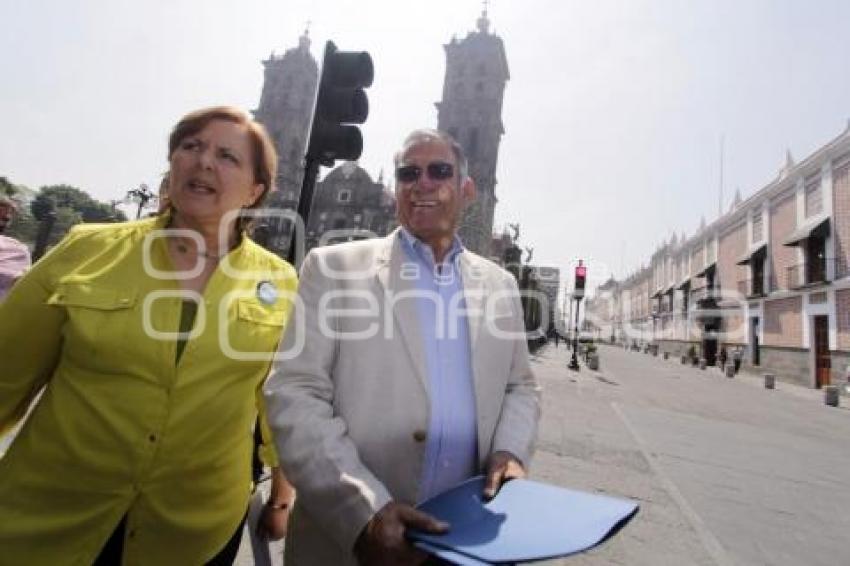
451,453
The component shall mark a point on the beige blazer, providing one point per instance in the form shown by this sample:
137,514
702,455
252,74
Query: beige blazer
348,397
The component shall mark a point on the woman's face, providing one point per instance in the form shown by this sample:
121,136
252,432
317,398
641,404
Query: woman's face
212,173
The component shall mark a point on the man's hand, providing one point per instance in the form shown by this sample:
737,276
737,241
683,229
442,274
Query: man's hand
503,466
382,540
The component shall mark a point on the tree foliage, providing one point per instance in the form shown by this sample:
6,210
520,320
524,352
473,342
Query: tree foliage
90,210
69,204
7,188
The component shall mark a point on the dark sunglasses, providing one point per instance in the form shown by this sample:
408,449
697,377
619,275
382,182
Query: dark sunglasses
437,171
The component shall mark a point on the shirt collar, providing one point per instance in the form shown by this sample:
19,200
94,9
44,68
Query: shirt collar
423,250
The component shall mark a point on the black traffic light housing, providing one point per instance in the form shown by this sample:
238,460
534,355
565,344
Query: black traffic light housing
340,103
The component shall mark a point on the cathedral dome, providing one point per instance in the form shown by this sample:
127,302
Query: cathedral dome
349,172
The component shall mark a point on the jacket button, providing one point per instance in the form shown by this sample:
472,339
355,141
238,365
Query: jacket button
420,436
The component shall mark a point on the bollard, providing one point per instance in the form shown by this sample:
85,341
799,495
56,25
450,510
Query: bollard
593,363
769,381
830,395
684,360
666,355
730,371
702,363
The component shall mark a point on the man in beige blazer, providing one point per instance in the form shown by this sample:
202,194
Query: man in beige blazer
384,391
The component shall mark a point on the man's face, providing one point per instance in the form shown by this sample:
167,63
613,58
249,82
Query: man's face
6,214
430,204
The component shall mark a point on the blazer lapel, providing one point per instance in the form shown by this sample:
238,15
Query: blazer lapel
396,289
474,291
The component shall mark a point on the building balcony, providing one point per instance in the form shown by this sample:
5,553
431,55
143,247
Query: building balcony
702,294
751,288
813,273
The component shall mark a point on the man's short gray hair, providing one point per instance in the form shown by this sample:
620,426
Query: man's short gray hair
428,134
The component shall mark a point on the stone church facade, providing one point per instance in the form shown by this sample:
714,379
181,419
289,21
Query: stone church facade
470,110
348,205
289,87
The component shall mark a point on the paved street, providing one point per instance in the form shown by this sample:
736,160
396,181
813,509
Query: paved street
726,472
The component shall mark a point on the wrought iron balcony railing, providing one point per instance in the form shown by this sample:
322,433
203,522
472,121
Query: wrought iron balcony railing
750,288
812,273
701,294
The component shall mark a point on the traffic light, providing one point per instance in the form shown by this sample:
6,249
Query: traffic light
340,102
581,274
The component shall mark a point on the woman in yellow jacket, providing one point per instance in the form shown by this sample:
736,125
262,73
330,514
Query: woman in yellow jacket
150,341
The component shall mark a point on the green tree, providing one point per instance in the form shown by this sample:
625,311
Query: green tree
70,204
90,210
7,188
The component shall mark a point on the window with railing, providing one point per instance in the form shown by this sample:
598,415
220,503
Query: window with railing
816,261
815,269
757,272
751,288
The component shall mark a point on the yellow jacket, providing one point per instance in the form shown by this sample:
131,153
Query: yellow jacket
120,429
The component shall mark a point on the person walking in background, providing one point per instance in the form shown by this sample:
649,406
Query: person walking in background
737,357
150,341
14,255
373,415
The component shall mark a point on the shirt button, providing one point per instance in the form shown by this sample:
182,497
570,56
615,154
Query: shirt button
152,438
420,436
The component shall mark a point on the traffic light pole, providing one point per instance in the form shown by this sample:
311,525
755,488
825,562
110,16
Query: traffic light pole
305,203
574,360
578,293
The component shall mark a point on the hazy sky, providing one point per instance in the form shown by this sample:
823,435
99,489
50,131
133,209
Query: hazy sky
613,114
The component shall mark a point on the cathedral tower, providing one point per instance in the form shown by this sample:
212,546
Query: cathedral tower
471,111
289,89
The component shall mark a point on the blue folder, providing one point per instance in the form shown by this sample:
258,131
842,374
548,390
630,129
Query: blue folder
526,521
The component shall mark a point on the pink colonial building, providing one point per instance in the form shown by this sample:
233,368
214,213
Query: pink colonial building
770,279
